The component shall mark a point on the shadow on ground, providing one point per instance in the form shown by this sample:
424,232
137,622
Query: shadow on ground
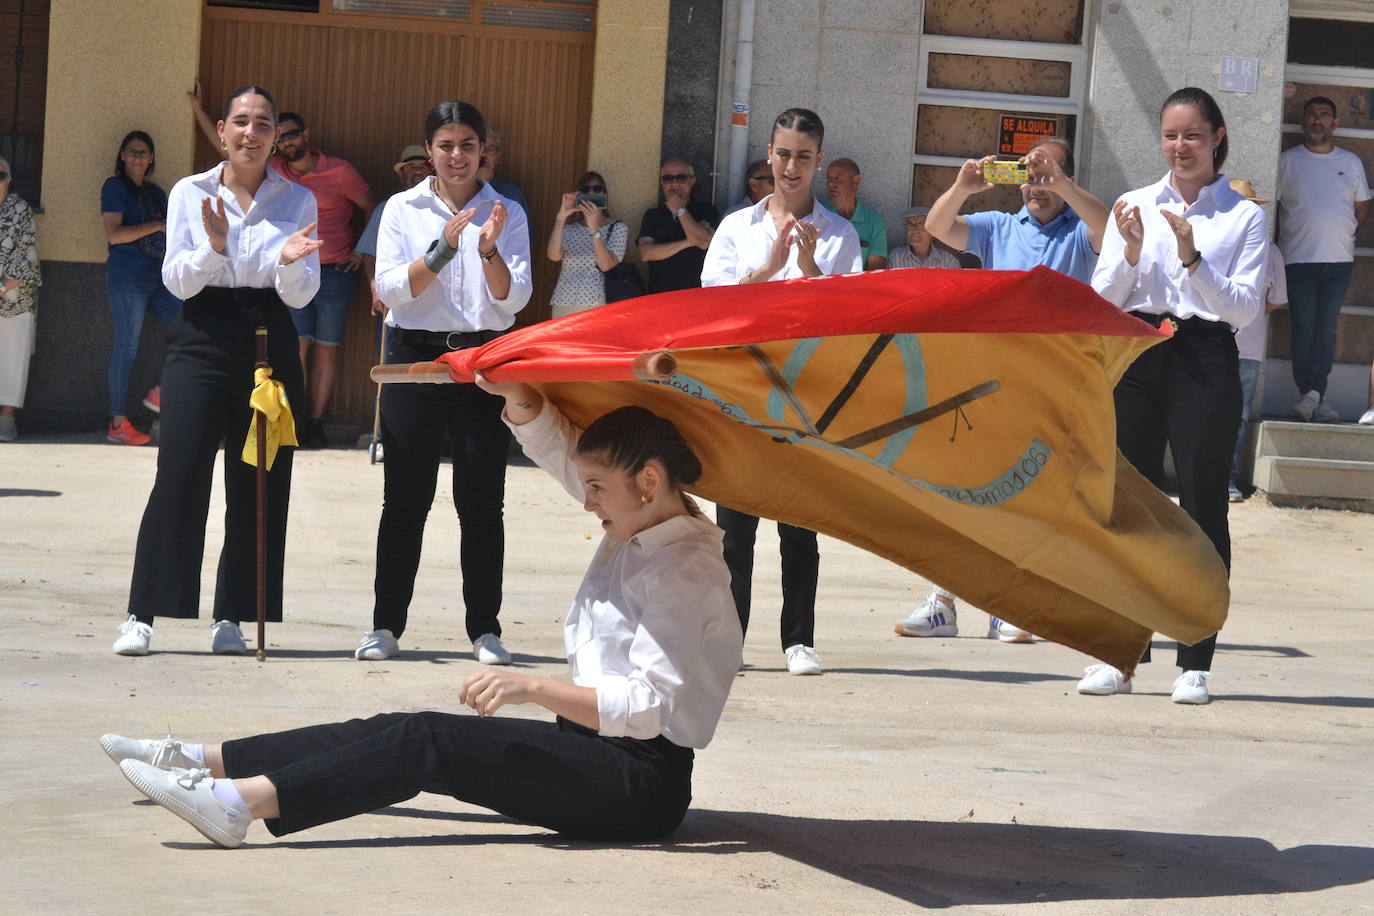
937,864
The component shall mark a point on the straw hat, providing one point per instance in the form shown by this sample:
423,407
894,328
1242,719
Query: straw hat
412,153
1244,188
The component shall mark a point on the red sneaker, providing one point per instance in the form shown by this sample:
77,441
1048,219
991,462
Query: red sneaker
153,400
126,434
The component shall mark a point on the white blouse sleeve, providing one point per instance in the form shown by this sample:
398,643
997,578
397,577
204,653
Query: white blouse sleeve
298,282
550,441
1231,283
1114,277
393,259
187,267
722,267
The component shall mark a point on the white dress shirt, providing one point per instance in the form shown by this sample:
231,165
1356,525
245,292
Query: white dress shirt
1228,230
745,239
653,627
252,251
459,298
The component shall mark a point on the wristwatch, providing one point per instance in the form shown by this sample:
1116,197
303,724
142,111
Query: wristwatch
599,234
680,210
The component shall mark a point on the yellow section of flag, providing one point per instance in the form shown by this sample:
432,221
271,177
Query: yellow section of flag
269,399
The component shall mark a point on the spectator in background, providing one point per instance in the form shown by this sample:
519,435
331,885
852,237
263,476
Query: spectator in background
491,160
587,242
1250,340
842,181
920,249
1323,202
338,188
758,184
1060,226
133,211
674,236
412,168
19,282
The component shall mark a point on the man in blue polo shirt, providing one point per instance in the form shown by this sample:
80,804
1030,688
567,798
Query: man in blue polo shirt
1060,227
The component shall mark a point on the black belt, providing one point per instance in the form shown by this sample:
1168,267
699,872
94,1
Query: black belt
1193,325
444,340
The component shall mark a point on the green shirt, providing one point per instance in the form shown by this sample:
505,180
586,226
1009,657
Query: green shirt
871,229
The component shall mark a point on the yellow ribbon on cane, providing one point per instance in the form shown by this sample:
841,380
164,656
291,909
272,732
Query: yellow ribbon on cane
269,398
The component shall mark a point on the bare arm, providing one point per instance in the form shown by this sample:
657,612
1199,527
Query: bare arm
489,690
944,221
207,126
649,250
698,233
1361,213
566,207
116,234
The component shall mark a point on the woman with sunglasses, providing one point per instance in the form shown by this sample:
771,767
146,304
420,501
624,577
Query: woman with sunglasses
674,236
133,210
587,241
239,254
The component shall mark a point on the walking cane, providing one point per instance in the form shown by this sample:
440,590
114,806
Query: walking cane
260,419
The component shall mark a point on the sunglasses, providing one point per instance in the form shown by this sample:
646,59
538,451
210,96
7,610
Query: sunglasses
4,176
291,135
592,188
671,179
767,178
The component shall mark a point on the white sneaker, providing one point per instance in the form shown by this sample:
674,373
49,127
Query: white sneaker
133,637
999,629
934,618
488,650
1191,687
1367,418
1325,413
1103,681
226,638
163,753
1306,405
377,645
802,660
189,794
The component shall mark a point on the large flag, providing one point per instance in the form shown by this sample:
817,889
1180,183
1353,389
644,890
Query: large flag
958,423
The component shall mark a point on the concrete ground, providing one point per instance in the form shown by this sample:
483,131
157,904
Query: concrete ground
930,773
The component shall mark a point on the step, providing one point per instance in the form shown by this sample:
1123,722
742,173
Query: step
1325,478
1340,441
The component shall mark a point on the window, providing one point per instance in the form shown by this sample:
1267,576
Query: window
23,92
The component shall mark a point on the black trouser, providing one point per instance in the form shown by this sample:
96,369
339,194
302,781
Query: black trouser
801,560
561,776
414,421
1186,392
206,382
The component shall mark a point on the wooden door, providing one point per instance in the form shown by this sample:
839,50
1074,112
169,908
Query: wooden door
364,81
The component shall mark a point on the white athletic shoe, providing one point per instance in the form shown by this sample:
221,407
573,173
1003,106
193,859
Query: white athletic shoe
1367,418
1191,688
163,753
1103,681
488,650
802,660
1000,630
133,637
933,618
226,638
189,794
377,645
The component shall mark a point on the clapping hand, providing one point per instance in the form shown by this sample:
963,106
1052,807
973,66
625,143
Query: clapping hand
1132,229
777,255
806,235
1183,232
299,244
216,223
491,229
453,229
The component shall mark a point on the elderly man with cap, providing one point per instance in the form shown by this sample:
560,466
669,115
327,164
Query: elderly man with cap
920,249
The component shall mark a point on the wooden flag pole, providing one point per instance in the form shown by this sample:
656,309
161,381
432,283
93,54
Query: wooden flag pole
260,419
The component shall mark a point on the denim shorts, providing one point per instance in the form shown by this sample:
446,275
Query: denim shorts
322,320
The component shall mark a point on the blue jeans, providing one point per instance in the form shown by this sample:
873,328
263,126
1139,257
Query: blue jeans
132,295
1315,294
1249,378
322,320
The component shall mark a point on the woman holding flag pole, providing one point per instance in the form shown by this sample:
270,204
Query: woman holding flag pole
239,252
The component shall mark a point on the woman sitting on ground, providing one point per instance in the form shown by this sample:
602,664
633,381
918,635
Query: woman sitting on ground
653,641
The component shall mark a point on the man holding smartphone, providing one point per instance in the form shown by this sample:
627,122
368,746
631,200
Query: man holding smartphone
1060,225
674,236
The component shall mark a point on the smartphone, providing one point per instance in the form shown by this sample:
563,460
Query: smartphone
1005,171
599,200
